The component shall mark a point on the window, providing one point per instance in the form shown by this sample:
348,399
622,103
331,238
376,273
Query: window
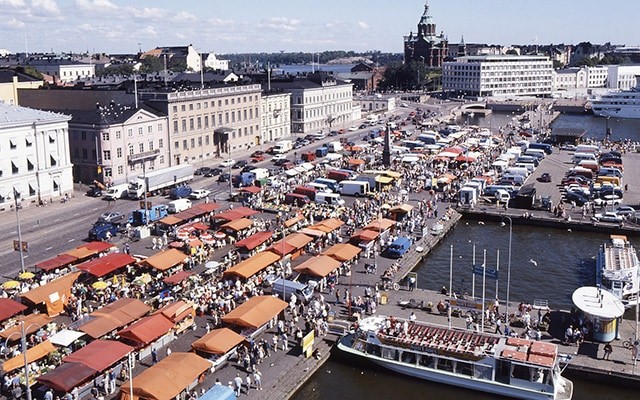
130,132
206,121
190,124
245,114
184,144
149,129
198,106
118,135
206,140
151,145
84,154
161,159
53,160
130,149
108,172
176,145
184,125
220,119
160,144
141,145
105,136
226,118
119,152
140,131
52,137
175,109
200,141
106,155
191,107
14,168
83,135
120,170
199,122
219,103
30,166
175,126
159,127
13,144
76,152
193,143
183,107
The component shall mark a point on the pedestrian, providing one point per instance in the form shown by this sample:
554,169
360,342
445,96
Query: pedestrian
257,377
337,295
154,243
607,351
238,384
154,356
168,351
498,326
248,379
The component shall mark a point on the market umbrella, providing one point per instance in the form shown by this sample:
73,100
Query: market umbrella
26,275
100,285
11,284
142,279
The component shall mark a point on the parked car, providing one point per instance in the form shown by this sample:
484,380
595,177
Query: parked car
111,217
239,164
224,177
199,194
202,171
257,158
353,128
579,198
213,172
94,192
227,163
278,157
609,216
546,177
625,211
568,147
257,153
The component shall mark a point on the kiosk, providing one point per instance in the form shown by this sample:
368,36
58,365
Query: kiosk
602,309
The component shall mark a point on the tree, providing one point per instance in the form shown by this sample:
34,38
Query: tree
151,64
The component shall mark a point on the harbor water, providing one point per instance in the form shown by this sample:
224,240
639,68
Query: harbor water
546,264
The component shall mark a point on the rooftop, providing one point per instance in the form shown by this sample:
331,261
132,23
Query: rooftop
12,115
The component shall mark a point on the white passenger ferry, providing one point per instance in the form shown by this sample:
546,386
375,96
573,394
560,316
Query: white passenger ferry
511,367
623,104
617,269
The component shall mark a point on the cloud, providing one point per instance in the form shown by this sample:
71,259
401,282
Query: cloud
184,16
48,6
151,13
13,3
149,31
363,25
221,22
280,23
95,5
16,24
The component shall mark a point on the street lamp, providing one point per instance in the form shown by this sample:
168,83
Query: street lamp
17,206
508,268
23,344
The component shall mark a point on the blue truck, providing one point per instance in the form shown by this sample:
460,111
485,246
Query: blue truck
103,231
153,214
180,192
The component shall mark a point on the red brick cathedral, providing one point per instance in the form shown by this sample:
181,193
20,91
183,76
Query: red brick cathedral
426,46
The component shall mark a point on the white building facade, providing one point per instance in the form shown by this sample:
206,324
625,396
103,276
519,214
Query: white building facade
35,160
498,76
215,63
65,71
275,116
111,143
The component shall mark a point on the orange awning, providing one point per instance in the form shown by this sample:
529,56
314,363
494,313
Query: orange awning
114,316
251,266
380,225
254,240
238,224
164,260
32,323
33,354
319,266
218,341
292,221
147,329
255,312
343,251
366,235
177,311
55,294
298,240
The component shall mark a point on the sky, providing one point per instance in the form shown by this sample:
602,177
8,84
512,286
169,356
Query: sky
253,26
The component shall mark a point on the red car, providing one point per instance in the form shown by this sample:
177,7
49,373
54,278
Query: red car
257,158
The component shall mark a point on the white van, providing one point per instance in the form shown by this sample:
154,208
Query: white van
515,180
329,198
577,157
320,187
179,205
529,166
587,148
116,192
354,188
538,153
522,171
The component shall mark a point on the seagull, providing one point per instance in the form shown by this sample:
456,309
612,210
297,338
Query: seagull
534,262
502,223
480,223
569,230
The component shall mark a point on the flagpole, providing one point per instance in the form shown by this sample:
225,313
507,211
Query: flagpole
484,276
473,274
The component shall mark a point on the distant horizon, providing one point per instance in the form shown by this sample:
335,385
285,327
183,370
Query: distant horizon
117,27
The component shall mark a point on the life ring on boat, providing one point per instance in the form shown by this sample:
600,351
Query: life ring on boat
396,286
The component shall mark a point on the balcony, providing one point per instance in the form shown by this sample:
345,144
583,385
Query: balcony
147,155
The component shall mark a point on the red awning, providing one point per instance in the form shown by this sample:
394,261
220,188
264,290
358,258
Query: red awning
67,376
236,213
98,247
147,330
250,189
59,261
100,354
9,308
254,240
104,265
177,277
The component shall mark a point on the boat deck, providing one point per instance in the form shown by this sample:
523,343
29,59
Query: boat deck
619,258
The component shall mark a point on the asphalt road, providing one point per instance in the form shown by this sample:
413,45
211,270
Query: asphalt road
59,227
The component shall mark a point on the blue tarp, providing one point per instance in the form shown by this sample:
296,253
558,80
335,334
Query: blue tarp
219,392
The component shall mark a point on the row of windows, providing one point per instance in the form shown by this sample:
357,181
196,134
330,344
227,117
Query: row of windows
108,172
15,164
205,104
106,154
246,131
106,136
226,118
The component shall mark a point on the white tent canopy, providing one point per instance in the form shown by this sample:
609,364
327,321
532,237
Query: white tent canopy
65,337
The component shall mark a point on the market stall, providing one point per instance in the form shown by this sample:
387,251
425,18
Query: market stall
53,295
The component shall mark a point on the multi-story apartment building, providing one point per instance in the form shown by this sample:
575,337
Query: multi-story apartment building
622,77
12,80
570,78
487,76
275,116
175,55
35,161
64,71
205,123
597,76
110,143
318,101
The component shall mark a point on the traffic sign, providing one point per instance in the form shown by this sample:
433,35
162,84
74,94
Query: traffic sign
490,273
